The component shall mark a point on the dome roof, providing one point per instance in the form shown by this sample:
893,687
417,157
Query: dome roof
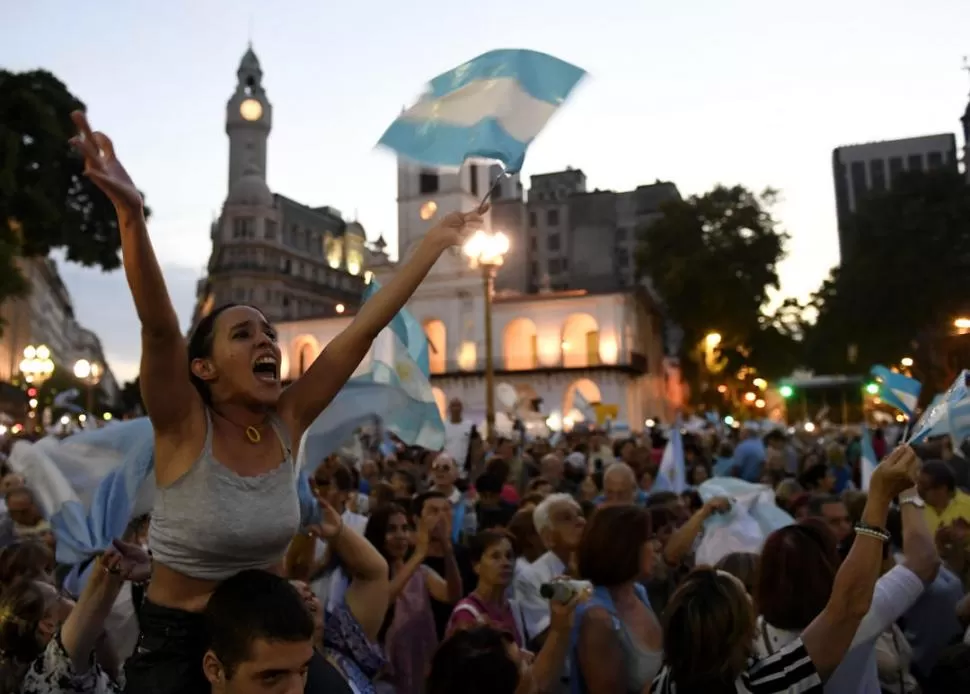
355,229
250,189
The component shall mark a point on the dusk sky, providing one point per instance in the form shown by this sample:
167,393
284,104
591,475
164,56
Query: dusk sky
697,92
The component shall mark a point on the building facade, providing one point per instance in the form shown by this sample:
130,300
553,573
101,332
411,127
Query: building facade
46,317
292,260
859,170
604,341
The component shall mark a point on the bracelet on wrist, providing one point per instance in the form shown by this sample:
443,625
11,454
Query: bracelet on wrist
872,531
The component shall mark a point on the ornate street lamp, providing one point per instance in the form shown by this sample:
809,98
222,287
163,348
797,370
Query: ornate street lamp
37,365
89,373
486,252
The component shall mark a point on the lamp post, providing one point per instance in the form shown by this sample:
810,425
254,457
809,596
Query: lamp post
486,251
37,365
89,373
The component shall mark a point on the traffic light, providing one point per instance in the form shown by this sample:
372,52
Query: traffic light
786,391
32,392
872,388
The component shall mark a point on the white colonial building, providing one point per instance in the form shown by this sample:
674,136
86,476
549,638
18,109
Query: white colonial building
548,345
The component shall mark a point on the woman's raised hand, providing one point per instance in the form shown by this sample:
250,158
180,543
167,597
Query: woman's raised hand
455,228
102,166
897,472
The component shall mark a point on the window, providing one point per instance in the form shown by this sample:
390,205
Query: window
244,228
895,168
532,219
552,242
552,218
877,174
473,179
859,185
914,162
428,183
934,160
622,258
533,244
269,229
621,235
534,270
554,267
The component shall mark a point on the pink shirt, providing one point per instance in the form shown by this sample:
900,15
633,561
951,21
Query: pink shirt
472,611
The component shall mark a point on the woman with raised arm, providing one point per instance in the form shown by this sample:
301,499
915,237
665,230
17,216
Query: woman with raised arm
225,430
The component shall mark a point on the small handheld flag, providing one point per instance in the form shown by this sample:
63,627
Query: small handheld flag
898,390
492,107
868,461
948,416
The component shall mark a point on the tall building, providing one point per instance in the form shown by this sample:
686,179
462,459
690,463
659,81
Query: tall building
873,168
291,260
45,316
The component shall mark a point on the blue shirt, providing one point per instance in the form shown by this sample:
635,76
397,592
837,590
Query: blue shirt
749,456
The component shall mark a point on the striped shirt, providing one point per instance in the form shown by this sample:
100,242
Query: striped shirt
788,671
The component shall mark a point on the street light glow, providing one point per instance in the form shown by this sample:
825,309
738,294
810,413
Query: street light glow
759,403
906,362
872,388
786,391
750,397
712,340
962,324
82,369
486,249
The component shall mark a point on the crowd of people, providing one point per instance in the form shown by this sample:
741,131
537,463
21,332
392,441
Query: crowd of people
496,565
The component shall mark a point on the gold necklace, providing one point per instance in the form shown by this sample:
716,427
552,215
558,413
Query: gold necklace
252,433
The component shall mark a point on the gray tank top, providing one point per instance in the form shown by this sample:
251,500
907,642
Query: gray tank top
212,523
641,665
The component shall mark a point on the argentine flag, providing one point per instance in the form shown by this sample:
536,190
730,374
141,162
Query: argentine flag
584,407
898,390
868,461
672,475
948,416
491,107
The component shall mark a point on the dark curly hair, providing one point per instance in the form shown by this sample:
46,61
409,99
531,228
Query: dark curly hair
22,607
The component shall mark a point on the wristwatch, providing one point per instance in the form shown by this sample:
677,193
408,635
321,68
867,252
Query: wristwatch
912,498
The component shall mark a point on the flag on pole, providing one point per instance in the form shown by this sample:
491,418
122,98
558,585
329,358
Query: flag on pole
898,390
673,469
491,107
868,460
948,416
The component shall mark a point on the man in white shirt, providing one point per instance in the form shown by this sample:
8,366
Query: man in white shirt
559,521
458,433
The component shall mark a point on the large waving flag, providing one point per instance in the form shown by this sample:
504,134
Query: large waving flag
90,484
673,470
868,460
408,331
948,416
898,390
491,107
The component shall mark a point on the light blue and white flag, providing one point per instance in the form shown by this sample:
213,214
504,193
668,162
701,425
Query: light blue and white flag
491,107
91,484
391,387
898,390
672,474
868,460
408,331
949,416
584,406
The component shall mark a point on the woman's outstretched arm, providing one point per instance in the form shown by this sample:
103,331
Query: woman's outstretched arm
169,396
302,402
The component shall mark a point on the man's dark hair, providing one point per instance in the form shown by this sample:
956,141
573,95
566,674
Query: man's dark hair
417,506
254,605
940,474
817,501
473,661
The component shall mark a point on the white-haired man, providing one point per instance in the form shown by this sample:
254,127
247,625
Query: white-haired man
559,521
444,474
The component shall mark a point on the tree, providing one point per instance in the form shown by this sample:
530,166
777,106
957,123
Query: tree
712,258
902,281
45,201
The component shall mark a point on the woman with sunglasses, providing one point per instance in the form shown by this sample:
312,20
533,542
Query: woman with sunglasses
226,431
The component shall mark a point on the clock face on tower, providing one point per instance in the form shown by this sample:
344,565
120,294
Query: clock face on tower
251,109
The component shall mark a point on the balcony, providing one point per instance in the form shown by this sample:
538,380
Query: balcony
332,286
631,362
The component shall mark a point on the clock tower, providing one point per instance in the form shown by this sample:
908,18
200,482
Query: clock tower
249,117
